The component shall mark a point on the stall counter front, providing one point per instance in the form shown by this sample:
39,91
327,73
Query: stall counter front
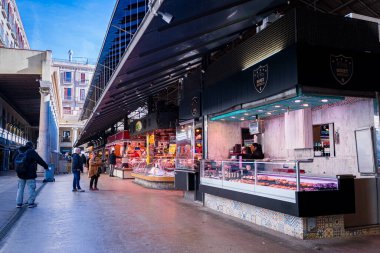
158,175
257,192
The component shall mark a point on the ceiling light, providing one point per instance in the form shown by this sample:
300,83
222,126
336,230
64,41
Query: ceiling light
242,119
269,113
167,17
277,106
246,114
297,101
306,105
260,110
324,100
233,117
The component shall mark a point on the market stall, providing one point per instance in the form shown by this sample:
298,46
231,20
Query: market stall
309,99
189,139
128,151
157,169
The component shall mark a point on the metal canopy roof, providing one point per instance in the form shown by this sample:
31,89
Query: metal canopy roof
159,54
163,52
21,91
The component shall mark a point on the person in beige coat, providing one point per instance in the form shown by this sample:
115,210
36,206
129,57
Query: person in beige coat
94,163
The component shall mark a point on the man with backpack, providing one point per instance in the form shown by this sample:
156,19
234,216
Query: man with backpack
26,168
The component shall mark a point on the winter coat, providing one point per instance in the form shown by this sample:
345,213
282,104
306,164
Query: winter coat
83,157
32,159
93,168
112,159
77,164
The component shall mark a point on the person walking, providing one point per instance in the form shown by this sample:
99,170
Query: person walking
94,171
112,160
84,160
26,166
77,168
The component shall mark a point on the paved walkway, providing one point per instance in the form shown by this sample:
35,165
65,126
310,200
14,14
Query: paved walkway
125,217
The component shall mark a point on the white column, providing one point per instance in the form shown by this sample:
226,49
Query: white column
43,140
75,135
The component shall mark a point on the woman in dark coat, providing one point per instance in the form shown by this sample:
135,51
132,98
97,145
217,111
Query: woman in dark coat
257,151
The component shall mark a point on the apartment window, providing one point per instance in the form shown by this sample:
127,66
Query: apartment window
67,77
66,110
83,77
66,136
82,94
67,94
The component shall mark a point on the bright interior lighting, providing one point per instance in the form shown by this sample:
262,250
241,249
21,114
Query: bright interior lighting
324,100
297,101
277,106
306,105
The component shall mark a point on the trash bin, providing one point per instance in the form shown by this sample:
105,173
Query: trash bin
49,174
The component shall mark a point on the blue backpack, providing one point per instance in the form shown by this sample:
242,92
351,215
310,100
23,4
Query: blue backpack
20,164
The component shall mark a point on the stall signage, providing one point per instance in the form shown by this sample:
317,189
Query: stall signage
260,78
342,68
138,126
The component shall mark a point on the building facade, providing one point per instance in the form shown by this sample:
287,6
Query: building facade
28,104
12,33
73,79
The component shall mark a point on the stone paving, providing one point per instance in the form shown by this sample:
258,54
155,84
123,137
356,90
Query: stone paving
125,217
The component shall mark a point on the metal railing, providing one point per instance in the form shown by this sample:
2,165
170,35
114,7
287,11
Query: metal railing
275,179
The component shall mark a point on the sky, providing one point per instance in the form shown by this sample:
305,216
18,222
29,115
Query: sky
63,25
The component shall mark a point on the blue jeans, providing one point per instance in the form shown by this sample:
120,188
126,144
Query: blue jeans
76,180
20,191
112,167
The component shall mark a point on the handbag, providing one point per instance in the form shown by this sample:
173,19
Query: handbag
99,171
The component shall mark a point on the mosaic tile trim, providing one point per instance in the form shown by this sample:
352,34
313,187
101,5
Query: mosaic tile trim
283,223
303,228
155,185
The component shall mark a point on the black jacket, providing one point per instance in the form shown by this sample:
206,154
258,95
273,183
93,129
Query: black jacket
32,159
112,159
77,164
257,154
84,159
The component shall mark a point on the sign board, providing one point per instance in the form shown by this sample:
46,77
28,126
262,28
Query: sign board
365,150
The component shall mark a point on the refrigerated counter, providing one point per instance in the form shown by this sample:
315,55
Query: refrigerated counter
264,184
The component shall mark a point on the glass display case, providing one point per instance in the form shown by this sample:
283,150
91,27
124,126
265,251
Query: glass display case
278,180
158,168
189,146
138,165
